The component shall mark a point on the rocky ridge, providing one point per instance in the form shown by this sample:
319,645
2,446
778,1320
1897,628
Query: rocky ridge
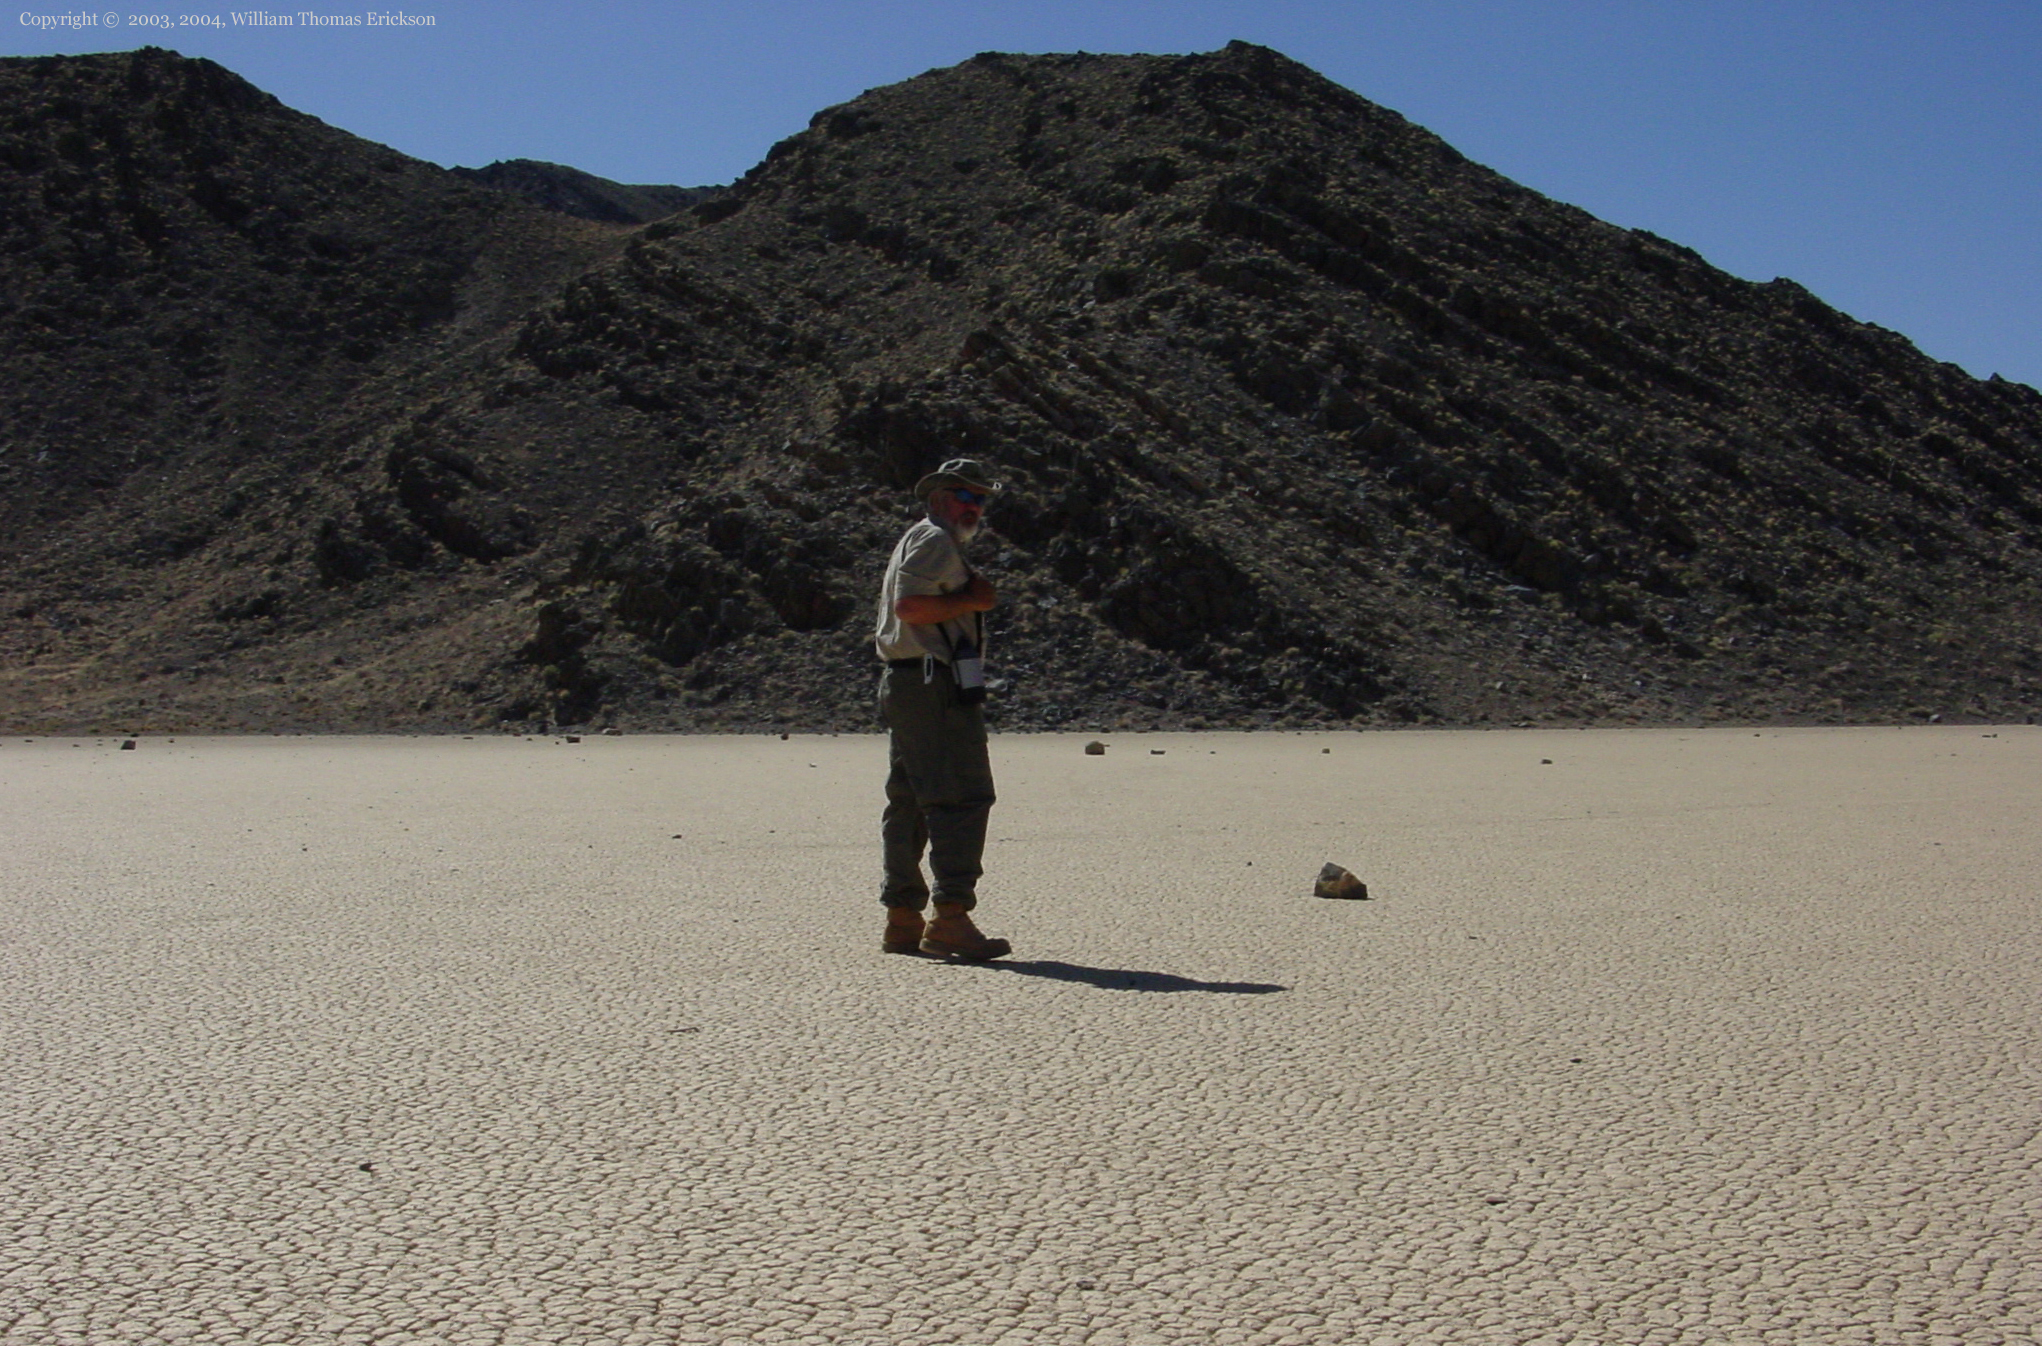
584,195
1307,419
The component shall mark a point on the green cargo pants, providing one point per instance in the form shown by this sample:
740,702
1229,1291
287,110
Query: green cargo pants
939,788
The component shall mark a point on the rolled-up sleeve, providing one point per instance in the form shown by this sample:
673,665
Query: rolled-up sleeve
932,565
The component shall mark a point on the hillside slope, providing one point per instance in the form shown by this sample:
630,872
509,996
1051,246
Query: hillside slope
584,195
1308,420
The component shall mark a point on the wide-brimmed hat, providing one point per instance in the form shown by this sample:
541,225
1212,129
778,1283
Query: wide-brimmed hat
969,473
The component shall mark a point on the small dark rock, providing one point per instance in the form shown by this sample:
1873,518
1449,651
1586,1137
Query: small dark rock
1335,881
1095,749
127,745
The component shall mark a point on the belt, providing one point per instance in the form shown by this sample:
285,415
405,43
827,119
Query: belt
915,663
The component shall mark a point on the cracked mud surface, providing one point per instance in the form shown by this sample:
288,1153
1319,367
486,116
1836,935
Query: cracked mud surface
1644,1037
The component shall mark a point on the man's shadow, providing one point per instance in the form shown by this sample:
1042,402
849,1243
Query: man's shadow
1124,979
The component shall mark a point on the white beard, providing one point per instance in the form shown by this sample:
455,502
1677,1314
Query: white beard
964,532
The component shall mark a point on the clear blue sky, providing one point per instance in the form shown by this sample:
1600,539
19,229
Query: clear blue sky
1886,154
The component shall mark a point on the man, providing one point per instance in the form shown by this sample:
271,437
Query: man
939,789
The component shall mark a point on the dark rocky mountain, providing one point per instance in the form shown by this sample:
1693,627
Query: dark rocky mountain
584,195
1307,420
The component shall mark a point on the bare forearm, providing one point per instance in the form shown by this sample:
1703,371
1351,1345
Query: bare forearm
930,609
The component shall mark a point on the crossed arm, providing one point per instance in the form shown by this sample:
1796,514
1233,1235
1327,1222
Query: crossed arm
929,609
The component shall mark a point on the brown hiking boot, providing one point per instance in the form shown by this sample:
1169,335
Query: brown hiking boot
903,931
952,935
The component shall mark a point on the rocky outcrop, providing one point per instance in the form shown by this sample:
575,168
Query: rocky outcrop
1307,420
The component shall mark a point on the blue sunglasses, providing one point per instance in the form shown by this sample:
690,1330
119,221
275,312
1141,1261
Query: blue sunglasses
970,497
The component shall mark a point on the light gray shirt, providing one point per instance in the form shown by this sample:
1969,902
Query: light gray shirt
926,560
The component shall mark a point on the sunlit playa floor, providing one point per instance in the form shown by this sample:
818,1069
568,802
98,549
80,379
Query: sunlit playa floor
1644,1036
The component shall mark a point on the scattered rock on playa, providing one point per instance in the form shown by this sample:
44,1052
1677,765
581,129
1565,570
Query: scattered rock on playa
127,745
1095,749
1337,882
